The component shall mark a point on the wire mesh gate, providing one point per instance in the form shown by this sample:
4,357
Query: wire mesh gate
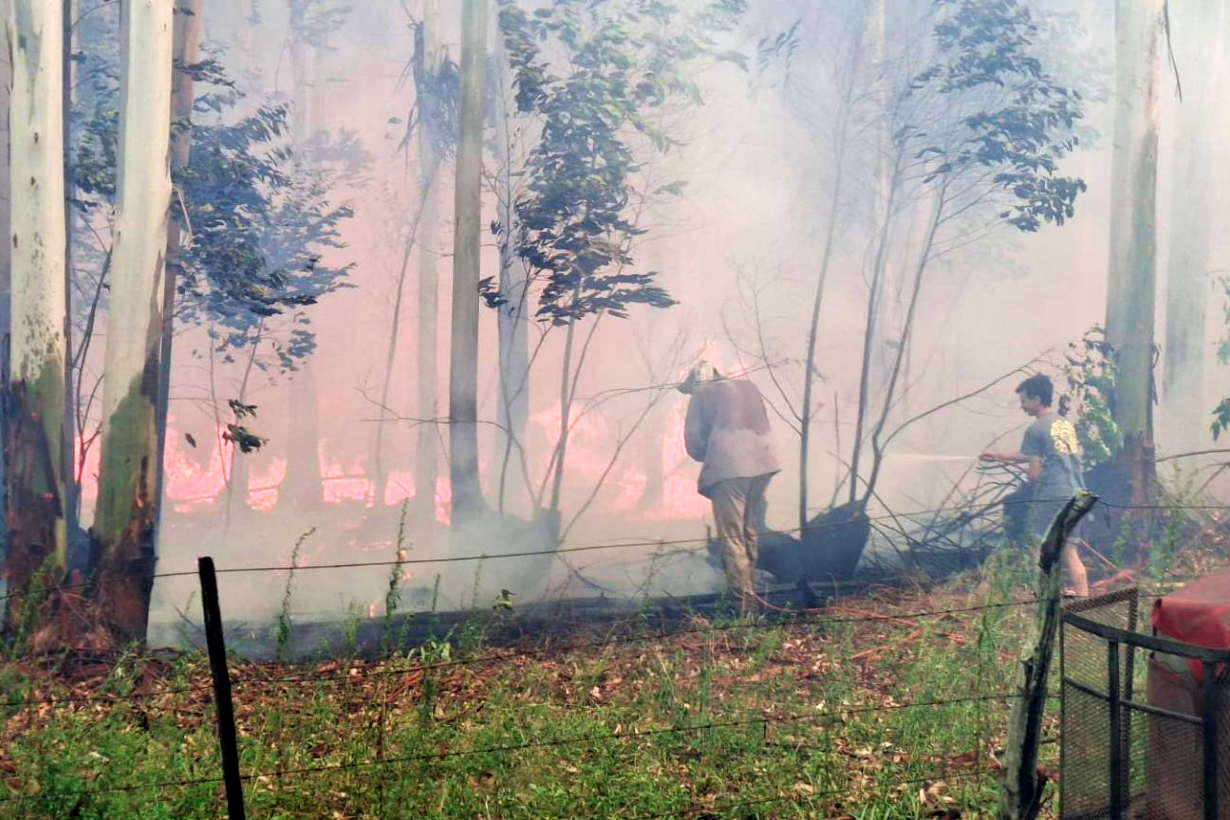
1165,756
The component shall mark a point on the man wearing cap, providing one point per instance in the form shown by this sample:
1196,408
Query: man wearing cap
727,430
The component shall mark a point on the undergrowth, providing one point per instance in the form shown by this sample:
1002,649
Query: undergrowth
813,715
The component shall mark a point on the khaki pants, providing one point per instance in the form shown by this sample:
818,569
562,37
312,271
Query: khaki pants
739,513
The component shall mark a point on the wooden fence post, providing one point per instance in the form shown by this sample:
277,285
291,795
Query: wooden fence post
222,689
1021,792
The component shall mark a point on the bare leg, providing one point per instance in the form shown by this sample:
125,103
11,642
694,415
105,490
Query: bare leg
1078,578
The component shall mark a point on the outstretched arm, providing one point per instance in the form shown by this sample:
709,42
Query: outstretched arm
1005,458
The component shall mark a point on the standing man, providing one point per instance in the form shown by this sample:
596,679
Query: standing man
727,430
1051,455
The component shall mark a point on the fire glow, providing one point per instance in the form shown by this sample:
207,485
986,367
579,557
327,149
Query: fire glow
197,475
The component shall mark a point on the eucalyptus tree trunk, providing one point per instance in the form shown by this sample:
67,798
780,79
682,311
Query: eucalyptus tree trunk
514,284
1130,298
427,449
126,510
463,365
186,37
1198,35
34,400
68,423
6,260
304,486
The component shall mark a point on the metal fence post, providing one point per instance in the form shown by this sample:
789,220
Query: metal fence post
222,688
1210,739
1116,730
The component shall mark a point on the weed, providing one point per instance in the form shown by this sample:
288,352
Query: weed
283,619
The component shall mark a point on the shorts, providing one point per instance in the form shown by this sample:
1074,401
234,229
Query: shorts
1042,513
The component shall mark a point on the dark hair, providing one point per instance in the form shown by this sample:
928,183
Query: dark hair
1039,387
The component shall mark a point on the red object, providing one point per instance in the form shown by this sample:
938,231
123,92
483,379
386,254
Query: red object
1199,614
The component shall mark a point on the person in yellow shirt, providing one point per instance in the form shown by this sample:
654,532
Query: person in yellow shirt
1050,452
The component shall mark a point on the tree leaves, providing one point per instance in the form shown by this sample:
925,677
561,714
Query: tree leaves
1011,115
576,216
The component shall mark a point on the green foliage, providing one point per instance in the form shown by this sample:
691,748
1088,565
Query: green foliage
775,719
436,111
256,217
779,47
1221,413
314,21
283,620
1003,111
392,595
591,75
1089,375
238,434
1221,418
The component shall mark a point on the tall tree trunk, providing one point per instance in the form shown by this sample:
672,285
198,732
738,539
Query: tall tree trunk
125,513
1130,302
427,449
304,486
463,365
68,424
6,280
1197,31
34,404
187,44
429,294
514,287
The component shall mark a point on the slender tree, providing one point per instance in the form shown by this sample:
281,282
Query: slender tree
6,280
977,137
34,400
427,449
1198,32
126,509
463,367
68,427
187,44
304,485
514,287
595,81
1132,281
847,82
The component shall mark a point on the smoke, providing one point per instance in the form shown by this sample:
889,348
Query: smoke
739,251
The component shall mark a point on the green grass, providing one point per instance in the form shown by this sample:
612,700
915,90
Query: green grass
727,720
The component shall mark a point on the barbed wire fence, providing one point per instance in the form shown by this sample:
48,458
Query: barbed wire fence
234,780
562,550
221,686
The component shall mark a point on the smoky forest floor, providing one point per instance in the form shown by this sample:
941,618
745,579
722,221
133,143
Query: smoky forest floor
889,705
